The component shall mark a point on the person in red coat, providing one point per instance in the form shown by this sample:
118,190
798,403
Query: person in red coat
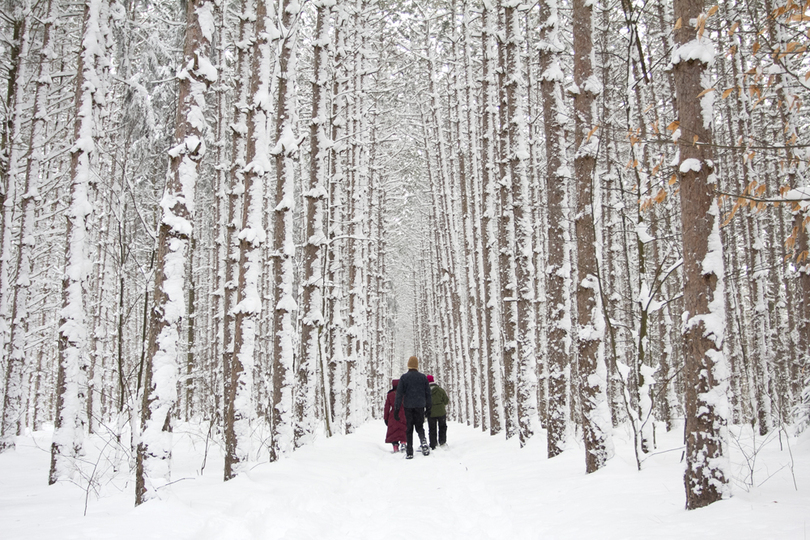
396,427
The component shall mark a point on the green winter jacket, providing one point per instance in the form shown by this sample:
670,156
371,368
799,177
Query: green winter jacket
439,398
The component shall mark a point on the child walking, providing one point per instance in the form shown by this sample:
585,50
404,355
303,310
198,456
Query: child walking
437,422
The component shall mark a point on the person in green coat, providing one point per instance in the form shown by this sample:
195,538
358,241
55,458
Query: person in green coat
437,422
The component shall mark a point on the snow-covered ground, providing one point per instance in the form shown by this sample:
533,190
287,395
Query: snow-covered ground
354,487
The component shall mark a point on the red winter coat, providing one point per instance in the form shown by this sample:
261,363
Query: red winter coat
396,428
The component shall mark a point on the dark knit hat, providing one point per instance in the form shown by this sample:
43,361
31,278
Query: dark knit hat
430,378
413,363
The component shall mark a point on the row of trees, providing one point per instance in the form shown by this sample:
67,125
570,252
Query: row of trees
617,192
578,215
212,266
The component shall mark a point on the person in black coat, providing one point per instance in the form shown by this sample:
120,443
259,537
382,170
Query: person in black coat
413,392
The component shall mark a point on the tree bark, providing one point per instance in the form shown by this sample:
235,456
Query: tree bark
162,362
559,264
705,478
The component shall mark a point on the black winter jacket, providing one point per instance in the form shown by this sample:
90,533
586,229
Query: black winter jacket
413,391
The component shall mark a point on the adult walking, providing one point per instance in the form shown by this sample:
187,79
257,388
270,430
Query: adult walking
437,420
413,393
395,434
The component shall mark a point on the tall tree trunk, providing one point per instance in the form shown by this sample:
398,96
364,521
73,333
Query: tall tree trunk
25,252
234,209
559,263
9,163
239,407
69,424
522,293
592,370
286,150
312,322
705,478
162,362
489,128
10,173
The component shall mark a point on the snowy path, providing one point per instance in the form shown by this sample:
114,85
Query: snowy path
353,487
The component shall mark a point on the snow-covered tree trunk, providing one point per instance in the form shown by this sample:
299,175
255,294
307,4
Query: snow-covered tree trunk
596,421
506,245
70,422
239,407
177,207
283,250
706,477
469,171
312,321
242,102
221,249
523,292
489,127
354,218
336,328
29,197
10,169
789,99
537,218
559,264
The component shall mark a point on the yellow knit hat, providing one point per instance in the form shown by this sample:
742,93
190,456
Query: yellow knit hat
413,363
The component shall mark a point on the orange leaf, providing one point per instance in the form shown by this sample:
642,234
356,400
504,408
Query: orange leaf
701,25
728,91
673,179
730,215
705,92
733,29
673,126
756,47
678,23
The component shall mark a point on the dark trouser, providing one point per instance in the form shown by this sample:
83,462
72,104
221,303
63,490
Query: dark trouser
437,426
414,418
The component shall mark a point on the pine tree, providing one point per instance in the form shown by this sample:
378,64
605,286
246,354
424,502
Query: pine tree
162,365
283,250
558,264
706,478
70,422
